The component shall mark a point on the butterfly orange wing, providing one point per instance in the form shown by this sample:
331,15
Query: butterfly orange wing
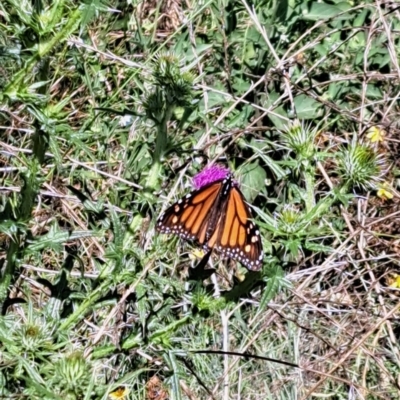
236,236
190,216
217,217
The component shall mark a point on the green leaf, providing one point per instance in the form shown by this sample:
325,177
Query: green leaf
319,11
141,303
306,107
253,180
293,246
241,117
214,99
361,17
274,282
260,150
317,248
55,238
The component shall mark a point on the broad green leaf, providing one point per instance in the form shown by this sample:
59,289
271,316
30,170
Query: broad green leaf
318,11
215,99
241,117
361,17
306,107
374,92
253,180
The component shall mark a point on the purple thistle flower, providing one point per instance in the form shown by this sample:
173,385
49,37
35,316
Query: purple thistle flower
209,175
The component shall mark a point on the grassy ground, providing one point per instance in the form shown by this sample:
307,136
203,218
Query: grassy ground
108,109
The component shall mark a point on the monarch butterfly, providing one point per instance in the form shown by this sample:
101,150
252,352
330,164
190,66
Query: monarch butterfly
216,216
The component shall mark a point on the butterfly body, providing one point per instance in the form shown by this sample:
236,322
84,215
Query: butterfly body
216,216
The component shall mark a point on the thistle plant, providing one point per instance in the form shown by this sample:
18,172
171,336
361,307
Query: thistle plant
360,166
204,302
71,374
30,334
300,140
297,229
173,87
34,349
289,221
291,227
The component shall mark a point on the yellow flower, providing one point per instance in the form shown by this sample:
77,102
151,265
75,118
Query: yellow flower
385,192
196,254
394,281
119,394
375,134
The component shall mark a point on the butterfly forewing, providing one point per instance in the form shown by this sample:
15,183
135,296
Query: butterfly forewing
238,237
217,217
189,217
